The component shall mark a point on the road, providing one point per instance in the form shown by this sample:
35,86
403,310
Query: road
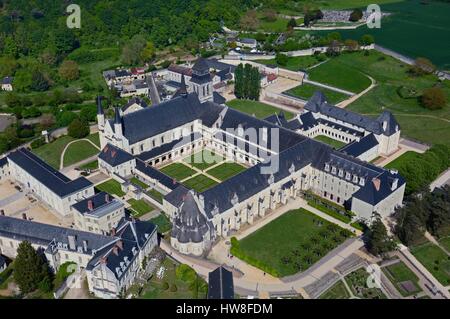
152,90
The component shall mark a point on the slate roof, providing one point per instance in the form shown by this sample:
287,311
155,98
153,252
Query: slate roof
180,69
219,99
3,161
220,284
369,192
217,65
248,41
99,106
7,80
114,156
102,203
51,178
357,148
135,100
200,66
2,263
152,172
392,125
176,196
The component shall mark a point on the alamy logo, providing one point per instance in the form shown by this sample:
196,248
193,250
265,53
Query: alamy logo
374,16
74,19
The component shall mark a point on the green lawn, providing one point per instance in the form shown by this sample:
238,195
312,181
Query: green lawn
330,212
404,158
138,182
203,159
445,242
111,186
291,243
51,153
79,151
332,142
91,165
337,291
294,63
258,109
200,183
140,207
178,171
163,223
156,195
336,74
435,260
95,138
306,91
398,273
357,282
226,170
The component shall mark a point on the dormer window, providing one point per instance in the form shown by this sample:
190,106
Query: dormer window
347,176
355,178
362,181
327,167
341,173
333,170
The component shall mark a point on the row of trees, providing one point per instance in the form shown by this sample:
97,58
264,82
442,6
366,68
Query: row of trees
247,82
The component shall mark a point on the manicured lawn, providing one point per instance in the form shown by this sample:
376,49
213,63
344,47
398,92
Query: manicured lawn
357,282
140,207
163,223
91,165
138,182
258,109
292,242
334,73
203,159
306,91
294,63
330,212
156,195
51,153
226,170
435,260
200,183
178,171
111,186
332,142
79,151
403,159
445,242
337,291
95,138
399,273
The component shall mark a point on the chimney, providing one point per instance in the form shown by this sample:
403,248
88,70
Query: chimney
24,216
115,250
113,231
107,198
90,205
85,245
376,183
103,260
120,244
72,242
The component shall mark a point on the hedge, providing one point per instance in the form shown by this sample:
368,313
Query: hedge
343,218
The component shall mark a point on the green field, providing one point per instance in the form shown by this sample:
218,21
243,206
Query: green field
258,109
332,142
226,170
200,183
398,273
404,158
139,207
294,63
163,223
357,282
306,91
51,153
112,187
445,242
94,138
292,242
435,260
79,151
91,165
138,182
334,73
178,171
156,195
415,121
337,291
203,159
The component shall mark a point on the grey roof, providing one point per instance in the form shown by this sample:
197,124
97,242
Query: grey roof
152,172
219,99
248,41
176,196
392,125
2,262
201,66
117,118
135,100
99,105
220,284
114,156
190,225
7,80
102,204
220,66
47,175
357,148
182,90
369,193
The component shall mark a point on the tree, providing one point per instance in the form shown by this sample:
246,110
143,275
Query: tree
270,15
133,51
366,39
356,15
292,23
422,66
88,113
434,98
281,59
148,53
378,241
69,70
78,129
247,82
351,45
249,21
239,81
30,268
39,82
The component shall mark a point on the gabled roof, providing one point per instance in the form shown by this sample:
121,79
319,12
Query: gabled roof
357,148
135,100
388,123
152,172
220,284
114,156
219,99
378,188
7,80
47,175
102,204
201,66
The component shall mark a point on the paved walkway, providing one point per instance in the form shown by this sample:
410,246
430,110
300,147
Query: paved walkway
357,96
61,159
443,179
329,87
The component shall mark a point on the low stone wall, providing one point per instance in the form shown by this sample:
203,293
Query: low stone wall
285,100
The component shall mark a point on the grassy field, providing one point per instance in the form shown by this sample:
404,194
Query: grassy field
404,158
337,291
178,171
294,63
258,109
334,73
203,159
445,242
163,223
415,121
306,91
357,282
156,195
200,183
51,152
140,207
398,273
332,142
91,165
138,182
226,170
111,186
94,138
435,260
279,25
292,242
79,151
